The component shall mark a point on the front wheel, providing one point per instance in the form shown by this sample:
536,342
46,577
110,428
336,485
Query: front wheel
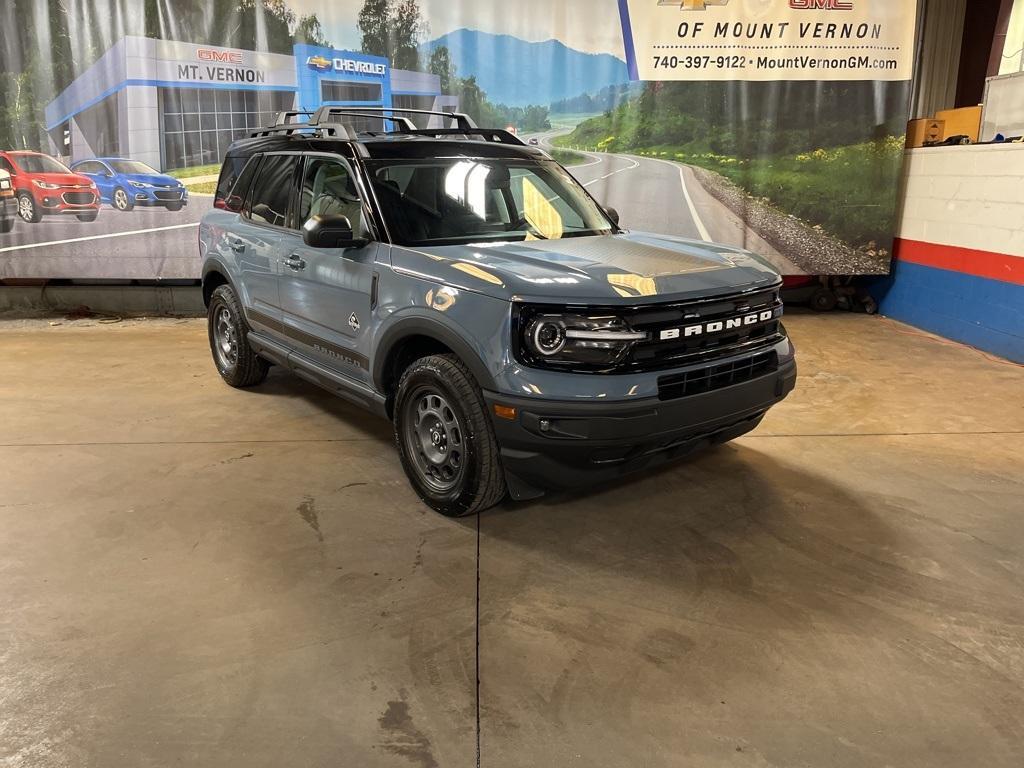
228,330
91,216
174,207
28,210
445,438
121,200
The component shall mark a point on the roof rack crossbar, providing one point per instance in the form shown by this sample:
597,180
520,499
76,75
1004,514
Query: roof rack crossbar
497,135
461,119
285,118
336,130
326,115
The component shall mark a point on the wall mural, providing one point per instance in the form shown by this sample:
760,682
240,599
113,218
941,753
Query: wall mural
776,125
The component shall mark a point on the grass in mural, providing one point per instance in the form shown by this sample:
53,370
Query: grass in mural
197,170
206,188
848,191
568,157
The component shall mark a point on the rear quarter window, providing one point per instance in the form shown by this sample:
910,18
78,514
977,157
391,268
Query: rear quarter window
235,178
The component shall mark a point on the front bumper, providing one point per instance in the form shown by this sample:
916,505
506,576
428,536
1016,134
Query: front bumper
66,200
559,444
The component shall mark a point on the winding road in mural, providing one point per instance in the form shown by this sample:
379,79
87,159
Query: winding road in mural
654,195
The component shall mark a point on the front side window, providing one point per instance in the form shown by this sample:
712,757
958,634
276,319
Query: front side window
329,189
272,190
465,200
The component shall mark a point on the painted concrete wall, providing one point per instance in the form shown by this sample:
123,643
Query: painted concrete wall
959,256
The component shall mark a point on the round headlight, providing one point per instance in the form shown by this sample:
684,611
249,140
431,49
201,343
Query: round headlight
547,335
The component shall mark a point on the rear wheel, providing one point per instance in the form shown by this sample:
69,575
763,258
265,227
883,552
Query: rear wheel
28,210
228,330
445,438
121,201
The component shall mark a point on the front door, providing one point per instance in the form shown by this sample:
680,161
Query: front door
325,292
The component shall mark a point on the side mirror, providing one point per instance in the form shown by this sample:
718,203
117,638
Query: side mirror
330,231
612,214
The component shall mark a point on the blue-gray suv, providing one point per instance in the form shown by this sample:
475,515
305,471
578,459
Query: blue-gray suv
462,284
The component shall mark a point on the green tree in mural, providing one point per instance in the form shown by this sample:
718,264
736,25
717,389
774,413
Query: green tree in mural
440,64
374,24
407,32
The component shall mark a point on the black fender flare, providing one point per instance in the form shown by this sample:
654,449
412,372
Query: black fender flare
418,325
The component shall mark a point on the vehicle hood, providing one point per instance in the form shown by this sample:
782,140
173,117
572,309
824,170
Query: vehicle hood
612,269
150,178
64,179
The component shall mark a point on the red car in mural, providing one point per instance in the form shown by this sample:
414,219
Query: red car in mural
46,186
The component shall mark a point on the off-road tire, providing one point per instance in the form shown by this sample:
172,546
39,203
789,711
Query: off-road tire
482,482
248,368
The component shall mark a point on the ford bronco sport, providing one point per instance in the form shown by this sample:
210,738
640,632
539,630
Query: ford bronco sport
465,286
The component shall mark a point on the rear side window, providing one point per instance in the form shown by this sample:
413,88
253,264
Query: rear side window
229,174
236,191
272,190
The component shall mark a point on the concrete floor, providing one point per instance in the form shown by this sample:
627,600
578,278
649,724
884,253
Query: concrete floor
195,575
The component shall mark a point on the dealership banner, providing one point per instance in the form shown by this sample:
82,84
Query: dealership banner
772,125
768,39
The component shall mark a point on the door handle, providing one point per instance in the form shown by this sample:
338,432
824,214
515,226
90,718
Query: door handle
236,245
294,263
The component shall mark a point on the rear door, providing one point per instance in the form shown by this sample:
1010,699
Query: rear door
263,236
325,292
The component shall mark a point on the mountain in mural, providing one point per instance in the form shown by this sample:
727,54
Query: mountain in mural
517,72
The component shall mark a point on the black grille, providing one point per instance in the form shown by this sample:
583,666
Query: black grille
714,377
78,198
657,353
161,195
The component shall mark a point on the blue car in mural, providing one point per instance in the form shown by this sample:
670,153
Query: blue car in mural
126,183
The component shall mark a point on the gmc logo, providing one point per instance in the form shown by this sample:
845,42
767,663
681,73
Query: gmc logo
821,5
231,57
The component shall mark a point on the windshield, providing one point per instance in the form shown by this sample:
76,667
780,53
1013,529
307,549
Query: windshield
132,166
463,200
39,164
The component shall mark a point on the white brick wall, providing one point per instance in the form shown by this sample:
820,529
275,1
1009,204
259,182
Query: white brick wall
971,197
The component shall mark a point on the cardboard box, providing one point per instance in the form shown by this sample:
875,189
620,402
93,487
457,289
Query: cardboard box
925,129
965,121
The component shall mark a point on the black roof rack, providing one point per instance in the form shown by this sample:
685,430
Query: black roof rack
324,114
325,123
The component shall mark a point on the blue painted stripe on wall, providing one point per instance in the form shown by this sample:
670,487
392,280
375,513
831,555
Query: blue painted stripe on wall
988,314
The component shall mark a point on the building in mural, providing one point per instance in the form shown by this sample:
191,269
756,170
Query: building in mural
174,105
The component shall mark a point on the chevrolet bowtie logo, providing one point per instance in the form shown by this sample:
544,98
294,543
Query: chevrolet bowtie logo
318,62
693,5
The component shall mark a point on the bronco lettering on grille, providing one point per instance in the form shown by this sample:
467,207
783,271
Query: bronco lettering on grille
715,326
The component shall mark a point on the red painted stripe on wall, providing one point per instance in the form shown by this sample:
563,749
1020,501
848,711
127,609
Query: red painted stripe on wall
994,266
